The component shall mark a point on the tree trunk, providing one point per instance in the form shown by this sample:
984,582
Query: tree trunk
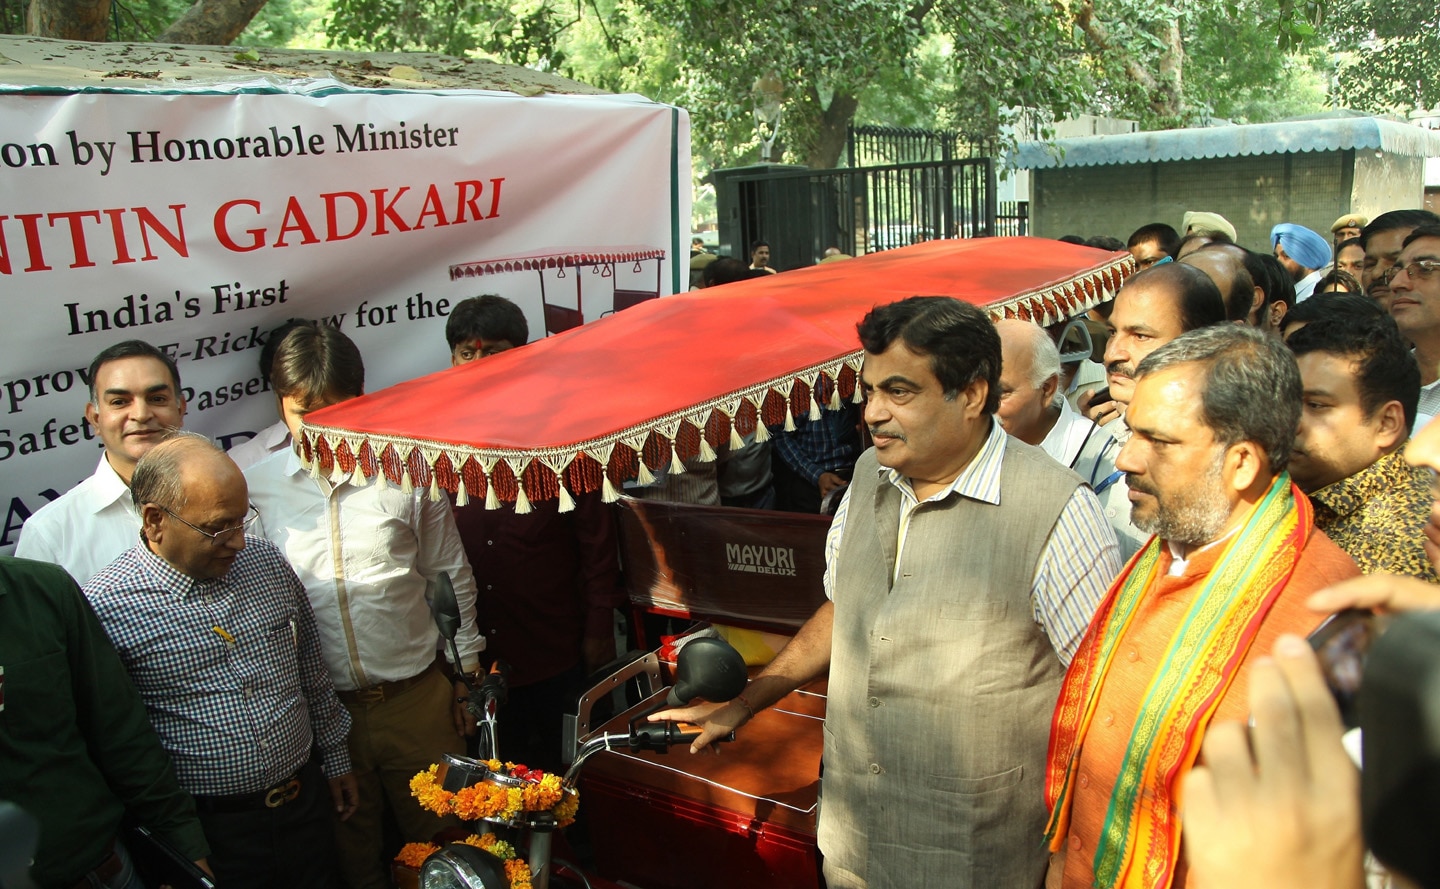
831,134
212,22
69,19
1169,94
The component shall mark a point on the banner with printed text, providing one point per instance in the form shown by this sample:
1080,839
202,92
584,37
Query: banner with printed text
198,221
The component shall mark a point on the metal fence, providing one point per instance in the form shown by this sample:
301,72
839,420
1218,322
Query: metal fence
803,212
870,146
1012,218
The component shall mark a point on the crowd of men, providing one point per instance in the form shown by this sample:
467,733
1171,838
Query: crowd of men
239,654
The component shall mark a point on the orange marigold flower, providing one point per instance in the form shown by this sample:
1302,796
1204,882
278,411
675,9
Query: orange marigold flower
518,873
479,801
425,788
414,854
567,807
543,796
514,802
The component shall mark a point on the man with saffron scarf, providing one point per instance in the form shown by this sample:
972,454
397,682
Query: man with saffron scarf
1234,556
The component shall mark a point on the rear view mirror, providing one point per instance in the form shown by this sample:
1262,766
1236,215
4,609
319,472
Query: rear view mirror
446,609
710,669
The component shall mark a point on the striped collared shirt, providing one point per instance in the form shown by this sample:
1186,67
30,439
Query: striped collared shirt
1076,567
230,669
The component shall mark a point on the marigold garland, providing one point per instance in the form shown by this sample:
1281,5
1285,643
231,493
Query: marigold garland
517,872
414,854
540,792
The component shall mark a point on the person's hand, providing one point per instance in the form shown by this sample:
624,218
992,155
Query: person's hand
204,865
829,481
1101,412
597,652
1287,815
464,719
715,720
345,791
1381,592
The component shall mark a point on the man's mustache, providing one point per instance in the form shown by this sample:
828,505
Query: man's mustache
1121,369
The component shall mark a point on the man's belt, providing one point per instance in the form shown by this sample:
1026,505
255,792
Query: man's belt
274,797
103,872
384,691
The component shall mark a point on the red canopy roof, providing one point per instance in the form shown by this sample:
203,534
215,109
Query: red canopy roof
675,378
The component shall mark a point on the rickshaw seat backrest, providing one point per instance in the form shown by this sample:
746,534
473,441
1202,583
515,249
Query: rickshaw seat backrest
756,568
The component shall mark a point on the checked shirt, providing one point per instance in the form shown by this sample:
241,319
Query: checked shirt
230,669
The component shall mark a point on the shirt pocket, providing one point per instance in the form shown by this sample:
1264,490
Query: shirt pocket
38,703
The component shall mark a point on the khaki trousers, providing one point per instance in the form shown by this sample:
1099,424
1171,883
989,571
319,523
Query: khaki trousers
390,741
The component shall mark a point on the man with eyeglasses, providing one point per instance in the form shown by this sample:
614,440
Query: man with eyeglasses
1414,286
215,631
1382,240
135,401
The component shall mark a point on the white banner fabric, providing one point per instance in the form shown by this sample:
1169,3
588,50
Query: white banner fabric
199,220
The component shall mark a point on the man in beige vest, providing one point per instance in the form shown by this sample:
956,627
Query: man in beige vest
962,569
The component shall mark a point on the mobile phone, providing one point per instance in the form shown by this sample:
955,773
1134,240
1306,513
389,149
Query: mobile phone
1342,645
1101,396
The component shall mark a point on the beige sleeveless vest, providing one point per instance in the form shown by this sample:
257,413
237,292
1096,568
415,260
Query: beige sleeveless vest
941,686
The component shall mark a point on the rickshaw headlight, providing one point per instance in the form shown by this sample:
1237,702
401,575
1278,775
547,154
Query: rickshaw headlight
459,866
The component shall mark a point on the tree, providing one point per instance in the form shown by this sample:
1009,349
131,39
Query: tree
958,64
209,22
1390,54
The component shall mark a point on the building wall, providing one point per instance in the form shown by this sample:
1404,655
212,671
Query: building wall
1387,182
1254,193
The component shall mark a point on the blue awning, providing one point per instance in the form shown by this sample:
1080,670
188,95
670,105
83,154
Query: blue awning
1360,133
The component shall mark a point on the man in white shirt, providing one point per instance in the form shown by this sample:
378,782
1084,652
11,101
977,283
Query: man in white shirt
135,401
1032,410
275,437
366,555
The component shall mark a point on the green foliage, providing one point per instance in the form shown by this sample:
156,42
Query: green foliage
939,64
1390,54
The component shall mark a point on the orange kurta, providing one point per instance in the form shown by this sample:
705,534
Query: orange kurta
1102,750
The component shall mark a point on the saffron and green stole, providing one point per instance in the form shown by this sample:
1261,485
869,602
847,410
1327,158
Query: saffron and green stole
1140,843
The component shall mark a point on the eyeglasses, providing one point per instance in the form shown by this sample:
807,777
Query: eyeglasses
1419,270
217,537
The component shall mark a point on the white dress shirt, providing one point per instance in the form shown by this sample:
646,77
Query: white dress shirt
1070,433
270,440
84,530
366,556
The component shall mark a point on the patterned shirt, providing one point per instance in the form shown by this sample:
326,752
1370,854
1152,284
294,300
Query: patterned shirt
1077,566
229,669
1378,516
819,446
1428,406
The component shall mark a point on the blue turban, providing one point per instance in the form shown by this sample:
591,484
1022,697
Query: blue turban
1301,244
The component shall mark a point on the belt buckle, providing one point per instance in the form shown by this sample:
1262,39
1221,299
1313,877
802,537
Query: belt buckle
281,794
372,695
